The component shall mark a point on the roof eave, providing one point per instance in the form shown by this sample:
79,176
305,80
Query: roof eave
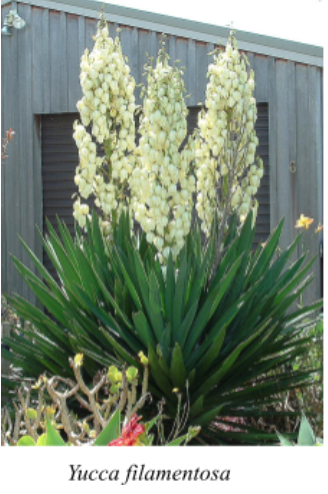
257,43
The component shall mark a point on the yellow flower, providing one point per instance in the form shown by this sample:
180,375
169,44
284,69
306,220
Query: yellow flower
304,222
114,375
143,358
38,384
319,228
50,412
86,427
78,360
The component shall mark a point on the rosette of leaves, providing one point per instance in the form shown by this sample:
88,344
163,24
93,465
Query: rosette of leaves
215,338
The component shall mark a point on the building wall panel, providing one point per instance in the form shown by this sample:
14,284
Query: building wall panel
6,122
90,31
45,61
293,198
260,67
10,169
284,120
144,46
38,50
272,140
307,169
202,61
40,67
25,129
56,49
75,51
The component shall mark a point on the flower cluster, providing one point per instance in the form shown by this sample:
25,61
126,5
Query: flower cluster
156,179
107,109
227,177
130,433
162,182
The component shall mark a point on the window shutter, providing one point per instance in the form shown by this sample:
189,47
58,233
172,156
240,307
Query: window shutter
263,193
59,161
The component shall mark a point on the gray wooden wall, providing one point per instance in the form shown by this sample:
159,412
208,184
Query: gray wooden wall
40,71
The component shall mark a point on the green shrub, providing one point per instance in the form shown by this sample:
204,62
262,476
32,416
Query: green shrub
306,436
215,331
43,414
310,399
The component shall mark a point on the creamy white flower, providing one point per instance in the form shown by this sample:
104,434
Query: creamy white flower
160,164
108,105
227,142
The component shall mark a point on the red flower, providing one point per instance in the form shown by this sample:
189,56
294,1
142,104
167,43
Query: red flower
130,433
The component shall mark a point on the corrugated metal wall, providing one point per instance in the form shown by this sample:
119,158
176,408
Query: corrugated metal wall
40,67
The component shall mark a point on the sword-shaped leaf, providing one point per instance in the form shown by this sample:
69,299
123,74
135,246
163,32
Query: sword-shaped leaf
178,371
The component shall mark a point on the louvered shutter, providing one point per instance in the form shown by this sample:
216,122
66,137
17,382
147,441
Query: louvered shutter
59,161
263,193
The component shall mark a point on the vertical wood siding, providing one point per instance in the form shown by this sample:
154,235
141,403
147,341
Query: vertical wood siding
40,72
25,175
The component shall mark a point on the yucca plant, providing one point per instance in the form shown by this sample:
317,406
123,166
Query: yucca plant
214,337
